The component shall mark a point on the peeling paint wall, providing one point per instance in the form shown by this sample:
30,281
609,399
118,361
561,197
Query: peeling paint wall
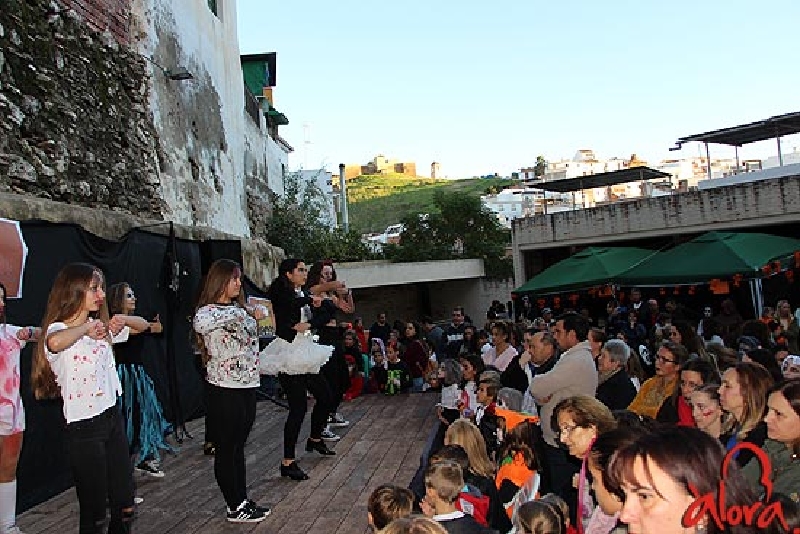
211,148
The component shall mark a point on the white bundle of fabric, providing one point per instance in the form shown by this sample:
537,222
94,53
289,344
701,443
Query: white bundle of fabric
301,356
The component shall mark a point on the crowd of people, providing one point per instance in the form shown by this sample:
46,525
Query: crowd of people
639,421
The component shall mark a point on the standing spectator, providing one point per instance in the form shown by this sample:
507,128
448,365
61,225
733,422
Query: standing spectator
358,326
730,322
380,329
547,317
501,353
470,344
706,410
434,335
789,326
454,334
635,332
597,339
615,388
694,374
573,374
415,356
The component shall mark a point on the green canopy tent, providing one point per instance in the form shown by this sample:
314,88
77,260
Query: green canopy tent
711,256
590,267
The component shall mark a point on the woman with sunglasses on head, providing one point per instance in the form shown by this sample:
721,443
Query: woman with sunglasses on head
145,425
74,360
227,336
669,360
12,415
293,317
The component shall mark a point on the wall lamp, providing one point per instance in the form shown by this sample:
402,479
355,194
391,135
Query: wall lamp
176,74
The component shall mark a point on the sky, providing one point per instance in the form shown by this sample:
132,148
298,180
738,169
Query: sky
485,87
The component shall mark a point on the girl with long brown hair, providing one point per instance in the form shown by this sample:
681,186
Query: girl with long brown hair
74,360
227,336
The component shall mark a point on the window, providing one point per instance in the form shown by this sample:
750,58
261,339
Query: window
212,5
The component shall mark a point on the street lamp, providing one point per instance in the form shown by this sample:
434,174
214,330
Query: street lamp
177,74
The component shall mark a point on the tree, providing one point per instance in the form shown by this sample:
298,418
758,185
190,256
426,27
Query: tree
540,167
462,228
295,225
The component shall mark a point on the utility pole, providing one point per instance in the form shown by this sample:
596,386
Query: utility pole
343,198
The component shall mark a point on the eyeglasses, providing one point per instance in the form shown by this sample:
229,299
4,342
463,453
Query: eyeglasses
664,359
566,430
130,295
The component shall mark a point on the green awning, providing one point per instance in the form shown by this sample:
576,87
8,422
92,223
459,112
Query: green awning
710,256
276,118
590,267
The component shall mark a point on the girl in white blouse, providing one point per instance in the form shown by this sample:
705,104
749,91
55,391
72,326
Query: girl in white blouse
74,360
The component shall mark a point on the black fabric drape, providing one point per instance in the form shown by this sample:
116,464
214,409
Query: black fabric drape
138,258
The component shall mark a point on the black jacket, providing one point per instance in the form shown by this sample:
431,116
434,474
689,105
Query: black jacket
617,392
465,525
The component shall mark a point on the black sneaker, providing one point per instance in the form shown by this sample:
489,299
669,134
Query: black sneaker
247,512
263,509
150,468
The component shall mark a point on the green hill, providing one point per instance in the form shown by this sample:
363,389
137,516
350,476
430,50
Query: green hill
375,202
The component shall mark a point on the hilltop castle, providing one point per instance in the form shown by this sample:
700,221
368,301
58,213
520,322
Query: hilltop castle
380,164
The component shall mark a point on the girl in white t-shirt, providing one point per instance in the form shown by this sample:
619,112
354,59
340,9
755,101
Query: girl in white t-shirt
12,415
74,360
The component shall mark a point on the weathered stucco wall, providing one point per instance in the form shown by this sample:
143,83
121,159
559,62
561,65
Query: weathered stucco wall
74,120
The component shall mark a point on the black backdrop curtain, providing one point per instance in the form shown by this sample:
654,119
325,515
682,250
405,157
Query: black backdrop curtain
137,259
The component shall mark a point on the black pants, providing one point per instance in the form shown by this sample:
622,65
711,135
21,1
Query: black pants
231,412
102,471
335,370
295,387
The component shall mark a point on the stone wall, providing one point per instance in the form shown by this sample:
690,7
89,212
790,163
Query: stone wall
75,125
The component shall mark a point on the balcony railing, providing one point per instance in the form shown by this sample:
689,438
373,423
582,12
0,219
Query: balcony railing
251,107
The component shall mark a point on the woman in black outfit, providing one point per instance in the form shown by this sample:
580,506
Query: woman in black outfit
320,277
291,307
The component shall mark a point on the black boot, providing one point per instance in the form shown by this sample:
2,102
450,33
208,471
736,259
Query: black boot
293,471
318,446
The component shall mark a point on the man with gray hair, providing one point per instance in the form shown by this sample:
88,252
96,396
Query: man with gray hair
615,388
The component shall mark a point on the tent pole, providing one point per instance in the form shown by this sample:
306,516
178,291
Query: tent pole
780,152
737,160
708,161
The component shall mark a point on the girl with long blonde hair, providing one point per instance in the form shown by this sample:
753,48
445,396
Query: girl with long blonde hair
74,360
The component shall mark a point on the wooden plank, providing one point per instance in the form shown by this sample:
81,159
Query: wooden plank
382,445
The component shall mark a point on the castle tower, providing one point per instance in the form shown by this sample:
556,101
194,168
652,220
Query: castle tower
435,171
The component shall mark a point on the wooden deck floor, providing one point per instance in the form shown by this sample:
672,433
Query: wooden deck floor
382,445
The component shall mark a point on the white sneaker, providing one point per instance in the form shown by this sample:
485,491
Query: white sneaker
327,435
138,500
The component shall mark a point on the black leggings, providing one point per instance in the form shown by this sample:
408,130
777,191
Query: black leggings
102,471
335,369
295,387
231,412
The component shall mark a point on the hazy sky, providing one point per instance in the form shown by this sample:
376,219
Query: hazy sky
484,87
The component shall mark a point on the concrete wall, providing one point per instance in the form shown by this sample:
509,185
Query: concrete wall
767,202
409,301
385,273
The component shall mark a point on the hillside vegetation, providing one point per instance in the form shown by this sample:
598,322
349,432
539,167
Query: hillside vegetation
375,202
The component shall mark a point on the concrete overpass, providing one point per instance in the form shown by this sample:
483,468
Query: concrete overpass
541,240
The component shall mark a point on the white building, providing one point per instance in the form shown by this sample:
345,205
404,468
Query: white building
213,150
515,202
323,180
